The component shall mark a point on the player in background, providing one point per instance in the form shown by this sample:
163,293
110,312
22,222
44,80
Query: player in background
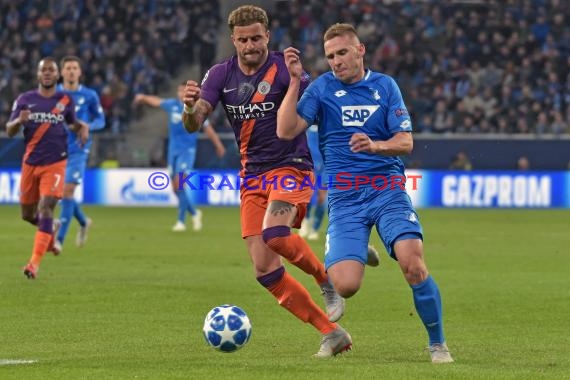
364,126
182,152
88,109
316,209
43,113
251,86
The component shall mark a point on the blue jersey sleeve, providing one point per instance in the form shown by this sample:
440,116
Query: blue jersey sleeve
308,106
166,104
398,118
96,112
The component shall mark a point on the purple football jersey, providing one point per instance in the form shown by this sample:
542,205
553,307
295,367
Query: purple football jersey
251,103
45,133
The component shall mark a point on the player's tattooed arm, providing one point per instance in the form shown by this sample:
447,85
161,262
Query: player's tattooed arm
196,110
193,117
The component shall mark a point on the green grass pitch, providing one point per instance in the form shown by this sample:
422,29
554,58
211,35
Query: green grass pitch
131,304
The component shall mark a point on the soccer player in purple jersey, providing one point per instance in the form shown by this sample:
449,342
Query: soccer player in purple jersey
43,113
251,86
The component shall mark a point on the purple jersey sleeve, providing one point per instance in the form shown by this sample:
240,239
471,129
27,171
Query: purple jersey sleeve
213,84
18,106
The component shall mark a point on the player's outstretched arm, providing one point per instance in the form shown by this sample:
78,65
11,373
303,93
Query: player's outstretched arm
151,100
97,115
289,123
196,110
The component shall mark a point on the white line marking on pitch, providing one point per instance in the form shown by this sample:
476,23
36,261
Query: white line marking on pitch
16,361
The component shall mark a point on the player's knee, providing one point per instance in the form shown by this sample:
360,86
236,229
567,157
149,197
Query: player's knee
30,218
347,287
263,268
271,233
415,272
347,290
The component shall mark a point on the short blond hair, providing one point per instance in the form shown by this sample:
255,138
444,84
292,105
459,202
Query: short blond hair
247,15
339,29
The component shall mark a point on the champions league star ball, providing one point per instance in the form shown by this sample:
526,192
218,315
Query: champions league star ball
227,328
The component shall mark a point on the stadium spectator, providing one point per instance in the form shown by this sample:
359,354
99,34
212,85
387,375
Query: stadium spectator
461,162
442,118
110,160
113,39
558,125
523,163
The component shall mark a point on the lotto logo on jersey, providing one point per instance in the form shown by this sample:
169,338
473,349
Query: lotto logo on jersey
356,116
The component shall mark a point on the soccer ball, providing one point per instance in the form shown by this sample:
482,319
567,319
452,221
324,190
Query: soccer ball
227,328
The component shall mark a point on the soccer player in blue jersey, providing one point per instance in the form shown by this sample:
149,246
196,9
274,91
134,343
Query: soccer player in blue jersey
182,152
43,113
251,85
363,126
88,109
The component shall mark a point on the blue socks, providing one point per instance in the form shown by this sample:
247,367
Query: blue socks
182,205
78,213
189,206
69,209
428,306
65,216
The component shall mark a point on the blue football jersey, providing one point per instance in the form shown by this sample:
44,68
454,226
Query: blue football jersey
314,148
179,139
373,106
87,109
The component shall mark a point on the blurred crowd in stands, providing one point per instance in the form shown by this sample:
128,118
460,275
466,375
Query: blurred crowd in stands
463,66
497,66
126,46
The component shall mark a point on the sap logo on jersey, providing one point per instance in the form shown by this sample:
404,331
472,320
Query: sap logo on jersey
356,116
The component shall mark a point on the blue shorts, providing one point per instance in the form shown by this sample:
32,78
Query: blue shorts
182,162
352,215
75,169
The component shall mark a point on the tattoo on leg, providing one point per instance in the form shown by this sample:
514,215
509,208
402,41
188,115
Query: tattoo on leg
280,208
